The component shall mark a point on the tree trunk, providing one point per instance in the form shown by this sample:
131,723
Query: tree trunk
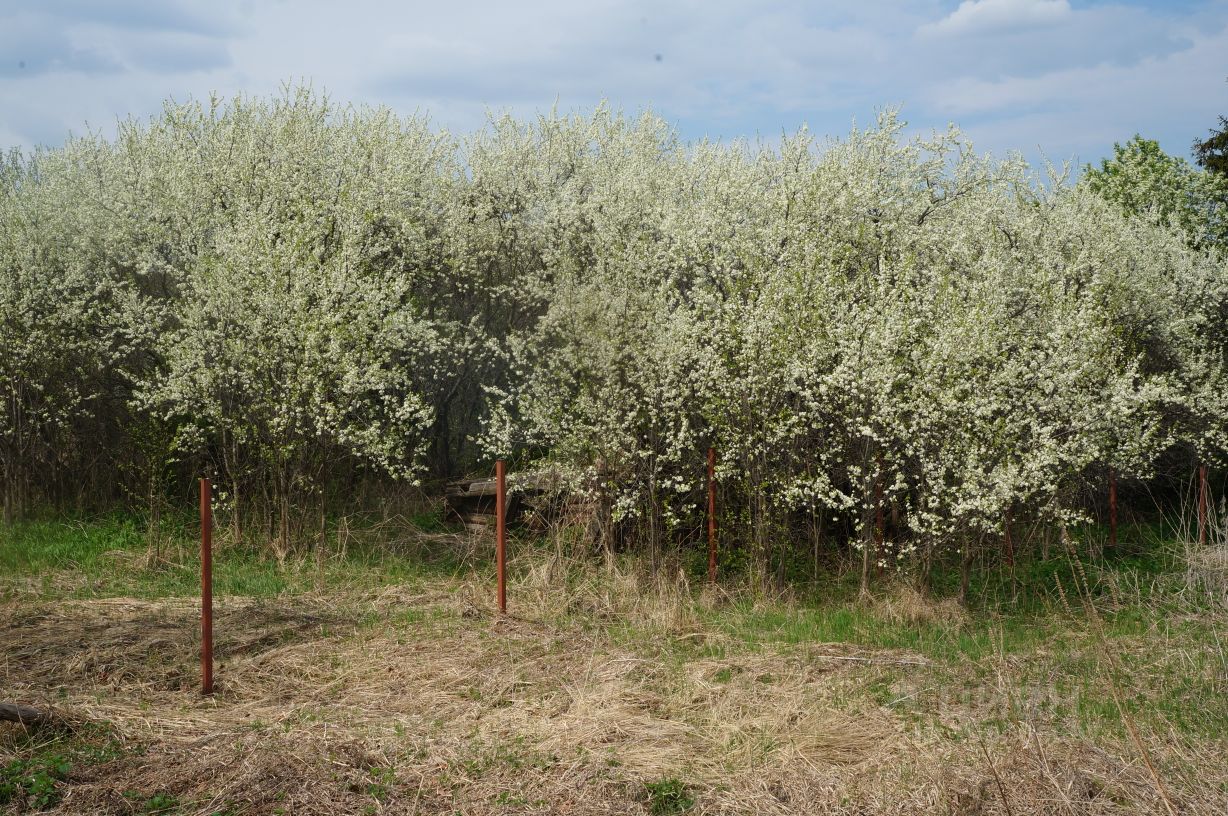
230,467
816,539
1006,538
441,442
867,548
879,528
1202,506
965,574
283,525
154,533
1112,510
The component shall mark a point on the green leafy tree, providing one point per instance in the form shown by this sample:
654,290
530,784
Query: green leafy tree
1212,152
1144,180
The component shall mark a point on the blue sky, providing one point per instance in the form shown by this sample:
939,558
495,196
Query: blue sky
1060,78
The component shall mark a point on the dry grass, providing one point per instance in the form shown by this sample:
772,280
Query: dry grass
560,585
904,603
1207,571
425,702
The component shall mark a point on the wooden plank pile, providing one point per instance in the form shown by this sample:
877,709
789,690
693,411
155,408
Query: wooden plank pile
535,499
472,502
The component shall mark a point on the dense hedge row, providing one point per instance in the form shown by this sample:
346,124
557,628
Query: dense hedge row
295,297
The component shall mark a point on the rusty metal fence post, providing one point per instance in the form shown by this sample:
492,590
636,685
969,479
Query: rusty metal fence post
206,587
711,515
501,533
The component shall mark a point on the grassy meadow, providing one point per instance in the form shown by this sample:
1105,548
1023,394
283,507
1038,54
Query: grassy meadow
374,676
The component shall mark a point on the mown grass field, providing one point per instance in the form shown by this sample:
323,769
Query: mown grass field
374,677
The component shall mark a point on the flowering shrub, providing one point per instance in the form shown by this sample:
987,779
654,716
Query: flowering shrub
879,324
898,340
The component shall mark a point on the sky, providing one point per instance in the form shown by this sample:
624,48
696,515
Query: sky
1054,79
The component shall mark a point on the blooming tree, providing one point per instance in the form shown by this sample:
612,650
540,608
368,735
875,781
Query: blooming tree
896,345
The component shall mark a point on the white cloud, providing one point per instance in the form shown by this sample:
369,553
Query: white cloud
1082,111
1070,80
991,16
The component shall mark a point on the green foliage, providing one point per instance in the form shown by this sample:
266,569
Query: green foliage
668,796
34,778
33,783
160,803
381,784
1144,180
1212,152
156,803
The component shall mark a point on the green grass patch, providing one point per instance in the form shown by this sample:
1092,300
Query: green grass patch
668,796
862,625
108,556
34,774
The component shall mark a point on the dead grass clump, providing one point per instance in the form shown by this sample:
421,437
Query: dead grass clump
559,587
905,604
1207,571
1025,773
775,710
622,723
836,738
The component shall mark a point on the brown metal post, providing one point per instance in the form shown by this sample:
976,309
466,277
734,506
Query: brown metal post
1202,505
1112,509
501,532
711,515
206,587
